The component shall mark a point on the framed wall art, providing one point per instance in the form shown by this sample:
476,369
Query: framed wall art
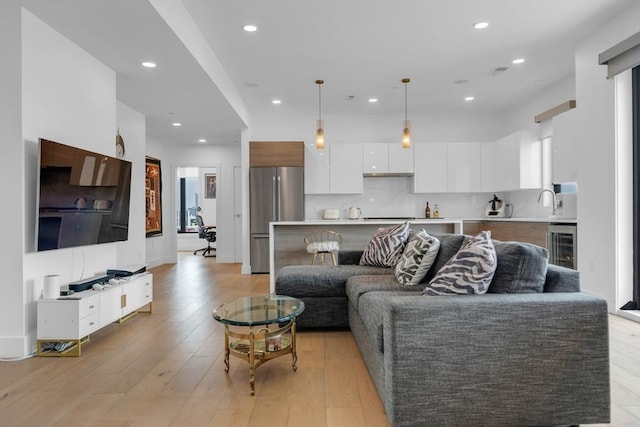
210,185
153,197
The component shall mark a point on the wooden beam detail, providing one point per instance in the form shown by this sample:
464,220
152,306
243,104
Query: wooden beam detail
276,153
565,106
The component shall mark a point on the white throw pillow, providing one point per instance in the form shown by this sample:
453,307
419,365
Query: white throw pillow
417,258
386,246
469,271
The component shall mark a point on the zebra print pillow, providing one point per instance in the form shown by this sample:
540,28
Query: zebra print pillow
469,271
417,258
386,246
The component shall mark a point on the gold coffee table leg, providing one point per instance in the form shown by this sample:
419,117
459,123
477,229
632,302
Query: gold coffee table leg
294,355
252,364
226,348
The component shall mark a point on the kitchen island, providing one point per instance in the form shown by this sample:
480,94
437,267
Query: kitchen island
286,238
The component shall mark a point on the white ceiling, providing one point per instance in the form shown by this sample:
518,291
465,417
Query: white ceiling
360,48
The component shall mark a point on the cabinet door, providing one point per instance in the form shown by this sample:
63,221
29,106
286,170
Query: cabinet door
533,232
464,167
487,166
506,172
400,159
375,158
346,169
430,174
504,231
316,170
110,306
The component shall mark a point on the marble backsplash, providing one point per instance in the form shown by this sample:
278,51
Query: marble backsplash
393,197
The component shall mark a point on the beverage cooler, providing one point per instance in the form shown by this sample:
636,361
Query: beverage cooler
563,247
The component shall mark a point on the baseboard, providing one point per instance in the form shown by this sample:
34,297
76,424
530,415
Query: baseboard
629,314
14,348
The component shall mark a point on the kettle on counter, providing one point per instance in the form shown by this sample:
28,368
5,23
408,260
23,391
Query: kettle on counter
354,213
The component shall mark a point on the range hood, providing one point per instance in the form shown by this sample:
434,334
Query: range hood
386,174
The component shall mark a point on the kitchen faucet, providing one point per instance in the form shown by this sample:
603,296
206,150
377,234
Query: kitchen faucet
555,200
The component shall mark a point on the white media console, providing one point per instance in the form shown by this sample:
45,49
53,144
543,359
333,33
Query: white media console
68,322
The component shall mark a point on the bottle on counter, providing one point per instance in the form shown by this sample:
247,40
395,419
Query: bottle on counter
427,211
436,211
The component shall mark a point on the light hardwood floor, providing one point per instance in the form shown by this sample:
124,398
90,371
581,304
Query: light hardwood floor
166,369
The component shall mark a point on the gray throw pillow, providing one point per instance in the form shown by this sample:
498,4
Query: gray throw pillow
469,271
522,268
386,246
417,258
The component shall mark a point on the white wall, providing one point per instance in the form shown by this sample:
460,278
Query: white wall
596,159
132,129
67,96
12,306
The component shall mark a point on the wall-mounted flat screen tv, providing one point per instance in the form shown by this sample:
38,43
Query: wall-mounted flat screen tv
83,197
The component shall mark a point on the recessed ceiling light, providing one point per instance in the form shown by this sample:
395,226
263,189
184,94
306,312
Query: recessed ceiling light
250,28
149,64
176,124
480,25
276,101
373,100
469,98
202,140
518,61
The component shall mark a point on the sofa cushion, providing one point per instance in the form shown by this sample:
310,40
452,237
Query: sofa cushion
469,271
320,280
522,268
449,246
386,246
359,285
417,258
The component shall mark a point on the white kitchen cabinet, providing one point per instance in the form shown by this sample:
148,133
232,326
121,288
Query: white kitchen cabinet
317,169
346,169
517,162
400,159
383,158
73,320
430,161
464,167
375,158
487,166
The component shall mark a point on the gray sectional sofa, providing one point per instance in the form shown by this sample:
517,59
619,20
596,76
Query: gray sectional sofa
533,350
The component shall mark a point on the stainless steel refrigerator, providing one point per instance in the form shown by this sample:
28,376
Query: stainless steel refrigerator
276,194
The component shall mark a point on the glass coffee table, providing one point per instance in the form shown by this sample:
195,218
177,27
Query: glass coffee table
271,320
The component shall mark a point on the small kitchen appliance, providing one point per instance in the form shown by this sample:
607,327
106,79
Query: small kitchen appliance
498,209
331,213
354,213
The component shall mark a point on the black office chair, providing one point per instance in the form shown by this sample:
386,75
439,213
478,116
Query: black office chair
207,233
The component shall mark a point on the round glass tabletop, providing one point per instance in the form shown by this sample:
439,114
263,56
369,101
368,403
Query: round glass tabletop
259,310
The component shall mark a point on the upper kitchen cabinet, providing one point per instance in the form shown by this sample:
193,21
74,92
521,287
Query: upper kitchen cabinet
563,143
464,167
487,158
517,162
431,167
385,158
346,169
316,170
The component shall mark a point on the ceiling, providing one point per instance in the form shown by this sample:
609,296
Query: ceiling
360,48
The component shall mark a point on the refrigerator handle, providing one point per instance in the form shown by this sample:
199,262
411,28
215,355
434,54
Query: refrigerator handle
274,207
278,201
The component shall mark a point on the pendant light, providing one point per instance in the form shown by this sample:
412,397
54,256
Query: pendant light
319,124
406,126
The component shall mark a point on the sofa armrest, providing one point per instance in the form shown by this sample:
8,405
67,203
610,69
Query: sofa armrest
509,358
349,257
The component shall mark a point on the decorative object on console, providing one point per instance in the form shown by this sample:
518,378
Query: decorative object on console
320,124
386,246
119,145
469,271
406,126
417,258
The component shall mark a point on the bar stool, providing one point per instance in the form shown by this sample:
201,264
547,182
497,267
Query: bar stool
323,242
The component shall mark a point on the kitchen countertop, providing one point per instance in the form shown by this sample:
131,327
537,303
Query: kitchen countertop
549,220
423,221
